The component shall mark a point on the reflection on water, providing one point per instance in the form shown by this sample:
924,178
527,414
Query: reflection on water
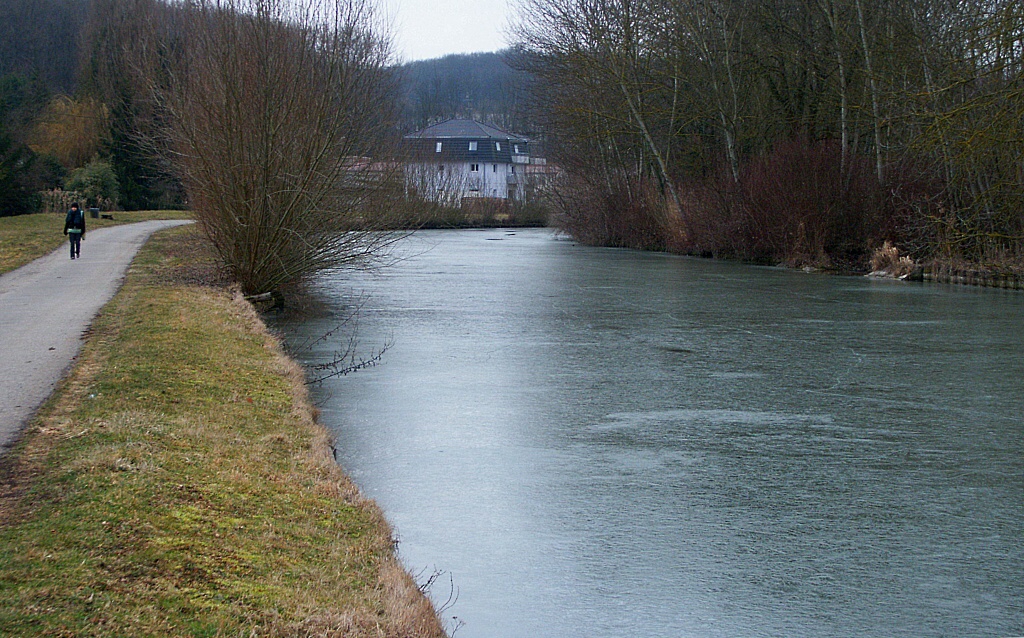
609,443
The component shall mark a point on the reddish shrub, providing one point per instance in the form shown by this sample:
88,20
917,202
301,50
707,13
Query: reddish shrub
803,207
629,215
797,204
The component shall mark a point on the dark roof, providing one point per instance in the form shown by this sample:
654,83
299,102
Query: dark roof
464,129
455,137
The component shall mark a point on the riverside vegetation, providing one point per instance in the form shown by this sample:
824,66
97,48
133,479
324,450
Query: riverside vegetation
177,483
797,132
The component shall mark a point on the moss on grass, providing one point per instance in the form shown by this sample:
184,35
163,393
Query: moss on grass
178,485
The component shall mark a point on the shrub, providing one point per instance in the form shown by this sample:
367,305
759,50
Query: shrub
804,206
59,201
799,204
624,213
97,183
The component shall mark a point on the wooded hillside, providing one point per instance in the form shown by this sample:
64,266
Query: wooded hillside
480,86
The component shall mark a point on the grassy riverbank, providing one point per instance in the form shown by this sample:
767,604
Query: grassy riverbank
27,237
178,485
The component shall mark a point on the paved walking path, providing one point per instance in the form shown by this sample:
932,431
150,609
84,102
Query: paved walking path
46,306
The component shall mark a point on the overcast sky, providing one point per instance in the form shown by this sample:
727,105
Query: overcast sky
433,28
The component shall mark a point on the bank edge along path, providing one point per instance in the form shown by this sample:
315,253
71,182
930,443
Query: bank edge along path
46,307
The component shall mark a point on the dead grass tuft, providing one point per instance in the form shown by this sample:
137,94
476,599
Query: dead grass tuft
886,260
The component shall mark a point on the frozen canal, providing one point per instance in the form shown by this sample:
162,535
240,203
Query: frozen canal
606,443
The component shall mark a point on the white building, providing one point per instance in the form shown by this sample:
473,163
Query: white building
461,159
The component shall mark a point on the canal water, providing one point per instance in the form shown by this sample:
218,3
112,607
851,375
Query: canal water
590,442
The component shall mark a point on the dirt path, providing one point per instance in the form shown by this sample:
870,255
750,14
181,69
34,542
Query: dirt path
47,305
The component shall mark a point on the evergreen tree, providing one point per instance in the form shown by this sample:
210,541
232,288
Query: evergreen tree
16,160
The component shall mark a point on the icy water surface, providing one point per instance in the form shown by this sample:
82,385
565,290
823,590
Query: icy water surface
606,443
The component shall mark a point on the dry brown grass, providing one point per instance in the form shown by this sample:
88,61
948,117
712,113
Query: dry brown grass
886,259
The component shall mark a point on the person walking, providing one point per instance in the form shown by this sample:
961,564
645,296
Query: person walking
74,228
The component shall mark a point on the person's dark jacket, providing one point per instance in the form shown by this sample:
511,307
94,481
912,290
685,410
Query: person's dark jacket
75,221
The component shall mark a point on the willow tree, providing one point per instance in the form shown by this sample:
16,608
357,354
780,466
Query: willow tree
72,131
278,114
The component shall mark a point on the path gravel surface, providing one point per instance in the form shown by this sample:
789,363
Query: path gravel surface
45,309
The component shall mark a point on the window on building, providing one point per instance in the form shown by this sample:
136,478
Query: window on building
497,146
472,146
474,168
515,149
494,168
437,149
513,169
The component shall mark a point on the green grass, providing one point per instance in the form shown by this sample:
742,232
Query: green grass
27,237
178,485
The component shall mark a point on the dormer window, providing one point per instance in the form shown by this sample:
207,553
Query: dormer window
437,149
515,149
497,146
472,146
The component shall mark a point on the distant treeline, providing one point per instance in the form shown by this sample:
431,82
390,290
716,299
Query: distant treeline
480,86
799,131
39,39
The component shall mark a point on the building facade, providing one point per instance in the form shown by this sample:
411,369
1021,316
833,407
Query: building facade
460,159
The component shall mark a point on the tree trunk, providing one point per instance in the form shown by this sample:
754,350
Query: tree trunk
876,120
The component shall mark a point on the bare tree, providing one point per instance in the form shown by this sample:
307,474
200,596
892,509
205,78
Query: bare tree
279,123
612,113
434,184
